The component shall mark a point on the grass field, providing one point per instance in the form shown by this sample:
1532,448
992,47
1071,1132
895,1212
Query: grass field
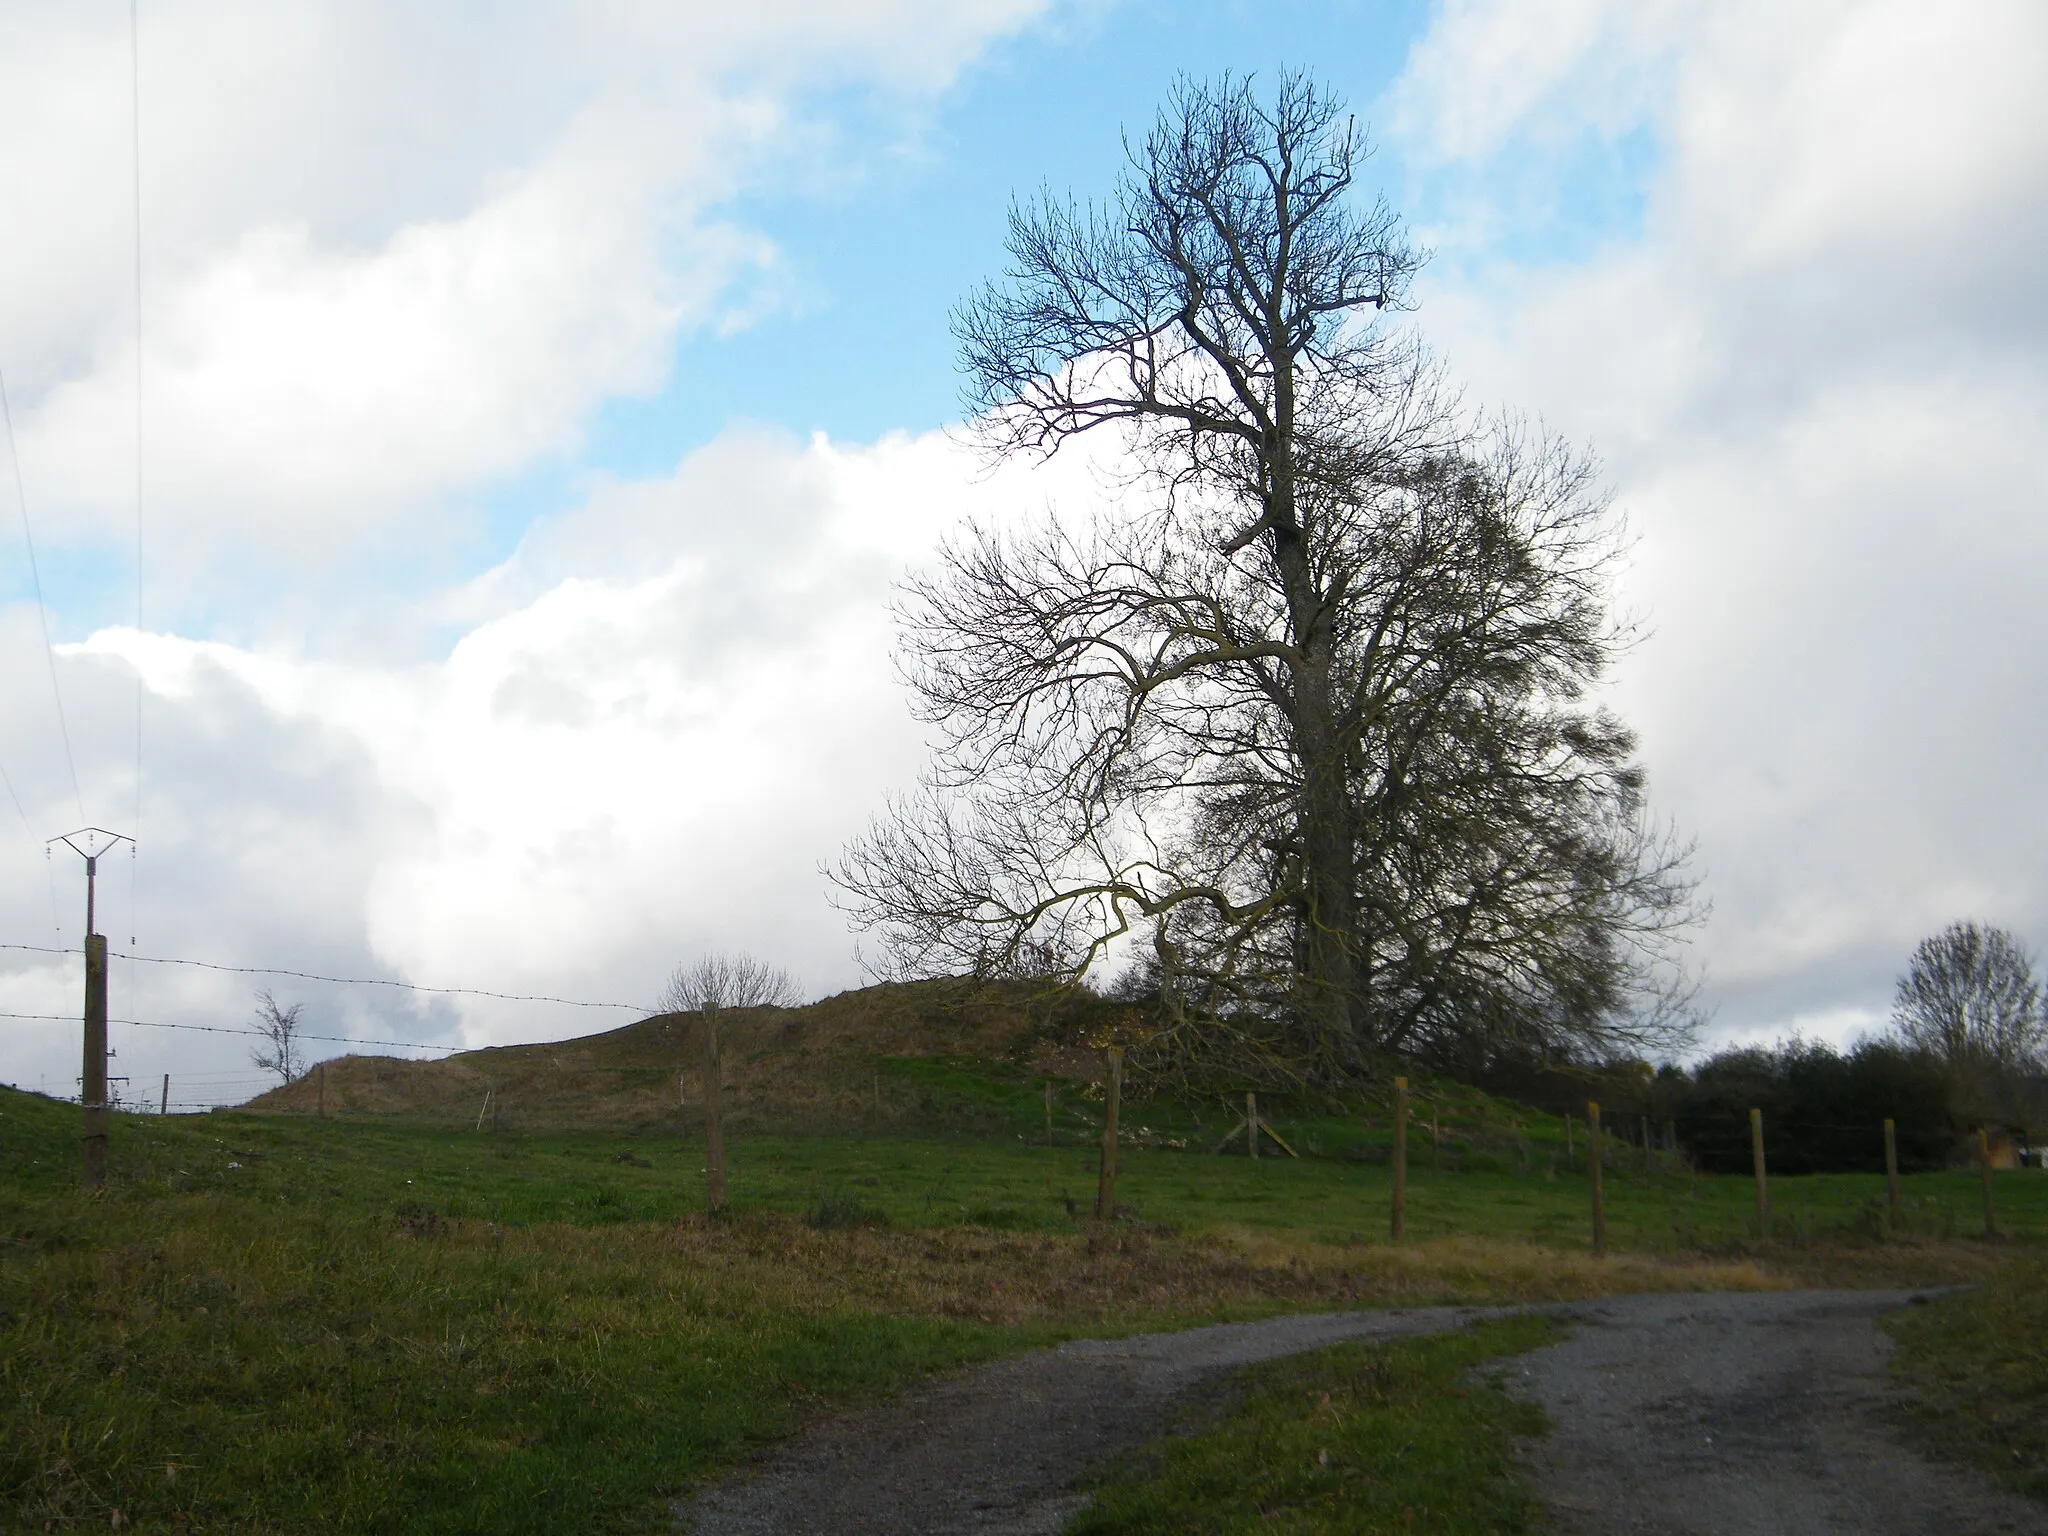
1978,1363
276,1322
1400,1436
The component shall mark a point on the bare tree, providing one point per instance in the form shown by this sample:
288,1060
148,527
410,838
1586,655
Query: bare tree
279,1027
1308,705
710,987
1970,999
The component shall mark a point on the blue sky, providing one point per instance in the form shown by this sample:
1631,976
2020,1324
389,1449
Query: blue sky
873,258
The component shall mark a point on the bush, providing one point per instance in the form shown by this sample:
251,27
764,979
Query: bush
1824,1112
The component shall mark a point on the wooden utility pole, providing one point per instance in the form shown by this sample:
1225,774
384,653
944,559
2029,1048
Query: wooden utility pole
93,1090
714,1135
1400,1212
1891,1177
1105,1184
91,843
1984,1171
1593,1167
1763,1188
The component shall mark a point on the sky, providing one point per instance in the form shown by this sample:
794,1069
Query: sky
537,404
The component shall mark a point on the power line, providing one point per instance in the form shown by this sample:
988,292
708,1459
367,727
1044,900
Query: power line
135,121
36,579
222,1029
345,981
4,779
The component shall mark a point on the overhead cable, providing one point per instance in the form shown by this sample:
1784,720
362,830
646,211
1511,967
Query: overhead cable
36,580
222,1029
343,981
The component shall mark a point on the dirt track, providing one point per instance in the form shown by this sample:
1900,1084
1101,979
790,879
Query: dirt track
1739,1414
1728,1414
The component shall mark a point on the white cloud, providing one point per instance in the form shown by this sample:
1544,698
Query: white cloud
391,259
662,715
1818,380
396,256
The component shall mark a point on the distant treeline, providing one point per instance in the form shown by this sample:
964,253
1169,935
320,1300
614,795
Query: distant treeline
1824,1110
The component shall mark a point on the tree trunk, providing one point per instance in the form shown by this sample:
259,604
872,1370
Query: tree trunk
1329,903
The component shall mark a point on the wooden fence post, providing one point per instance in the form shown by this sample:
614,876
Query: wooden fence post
714,1132
164,1107
1105,1186
1984,1171
1251,1123
1756,1157
1891,1177
1593,1167
1400,1216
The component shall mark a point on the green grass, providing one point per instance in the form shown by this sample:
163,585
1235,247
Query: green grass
1360,1437
376,1167
1978,1364
274,1322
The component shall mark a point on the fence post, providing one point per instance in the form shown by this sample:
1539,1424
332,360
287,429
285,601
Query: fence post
164,1106
714,1133
1891,1177
1400,1221
1756,1157
1593,1167
1984,1171
1105,1186
1251,1122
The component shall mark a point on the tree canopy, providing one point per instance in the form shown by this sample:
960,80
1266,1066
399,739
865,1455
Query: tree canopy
1305,709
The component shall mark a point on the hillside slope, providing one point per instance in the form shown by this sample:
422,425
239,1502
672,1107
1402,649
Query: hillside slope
819,1067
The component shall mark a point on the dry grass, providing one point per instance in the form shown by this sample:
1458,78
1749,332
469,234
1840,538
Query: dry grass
1119,1279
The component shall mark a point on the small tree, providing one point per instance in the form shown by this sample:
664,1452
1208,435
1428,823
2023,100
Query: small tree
1970,999
714,985
279,1027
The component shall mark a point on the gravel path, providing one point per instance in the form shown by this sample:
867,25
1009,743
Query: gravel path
1729,1414
1740,1414
997,1449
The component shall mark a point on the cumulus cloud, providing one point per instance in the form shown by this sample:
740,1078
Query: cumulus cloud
1817,377
395,258
662,714
389,259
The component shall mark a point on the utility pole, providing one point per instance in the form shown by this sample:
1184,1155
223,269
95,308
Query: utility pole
92,1088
